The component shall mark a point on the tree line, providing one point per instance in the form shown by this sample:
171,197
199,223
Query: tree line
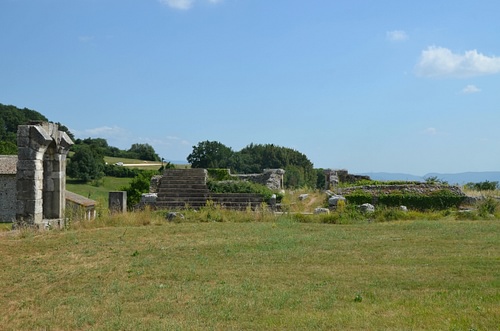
255,158
86,160
10,118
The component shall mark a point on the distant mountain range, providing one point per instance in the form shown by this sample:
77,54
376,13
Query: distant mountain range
460,178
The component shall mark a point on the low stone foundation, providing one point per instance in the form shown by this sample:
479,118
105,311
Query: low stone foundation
422,188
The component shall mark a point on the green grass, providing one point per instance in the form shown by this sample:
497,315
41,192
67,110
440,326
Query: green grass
98,192
113,160
5,227
145,165
138,272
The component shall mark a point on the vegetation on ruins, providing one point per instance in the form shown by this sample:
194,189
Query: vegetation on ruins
137,186
439,200
254,158
240,186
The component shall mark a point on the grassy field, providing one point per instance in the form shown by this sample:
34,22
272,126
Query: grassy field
99,192
138,272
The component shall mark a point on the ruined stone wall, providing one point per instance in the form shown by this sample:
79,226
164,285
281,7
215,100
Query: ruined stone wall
7,198
422,188
334,177
272,178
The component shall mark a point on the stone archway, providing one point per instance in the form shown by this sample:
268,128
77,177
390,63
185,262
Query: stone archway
41,174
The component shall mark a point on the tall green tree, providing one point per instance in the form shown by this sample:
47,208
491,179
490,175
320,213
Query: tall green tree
255,158
210,154
144,152
86,164
299,170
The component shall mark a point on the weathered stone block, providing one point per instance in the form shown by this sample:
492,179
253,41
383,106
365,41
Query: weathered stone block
31,165
118,202
39,137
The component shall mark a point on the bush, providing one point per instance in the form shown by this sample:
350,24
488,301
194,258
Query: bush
488,207
482,186
438,200
219,174
120,171
239,186
138,186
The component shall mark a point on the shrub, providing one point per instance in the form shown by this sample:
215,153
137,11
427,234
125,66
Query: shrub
438,200
488,207
359,198
219,174
239,186
119,171
483,186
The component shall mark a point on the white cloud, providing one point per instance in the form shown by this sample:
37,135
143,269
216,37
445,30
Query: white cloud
396,35
469,89
438,62
178,4
184,4
113,133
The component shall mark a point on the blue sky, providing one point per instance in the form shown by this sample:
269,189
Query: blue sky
368,86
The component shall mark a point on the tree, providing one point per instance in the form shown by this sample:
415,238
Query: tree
8,148
144,152
210,154
86,164
10,118
299,170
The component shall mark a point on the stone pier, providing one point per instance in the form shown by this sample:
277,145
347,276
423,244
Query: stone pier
41,174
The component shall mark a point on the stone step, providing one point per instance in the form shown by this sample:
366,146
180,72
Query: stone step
182,186
185,172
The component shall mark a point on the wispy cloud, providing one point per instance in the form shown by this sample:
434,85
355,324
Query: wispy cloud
440,62
396,35
184,4
172,147
430,131
178,4
167,141
469,89
103,132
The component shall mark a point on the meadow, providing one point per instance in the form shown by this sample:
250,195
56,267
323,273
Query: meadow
214,270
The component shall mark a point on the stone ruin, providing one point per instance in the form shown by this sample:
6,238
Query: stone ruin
334,177
41,175
272,178
180,187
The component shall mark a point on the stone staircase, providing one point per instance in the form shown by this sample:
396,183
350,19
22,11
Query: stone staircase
187,188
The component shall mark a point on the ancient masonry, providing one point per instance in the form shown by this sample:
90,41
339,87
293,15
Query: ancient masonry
182,188
41,174
8,188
